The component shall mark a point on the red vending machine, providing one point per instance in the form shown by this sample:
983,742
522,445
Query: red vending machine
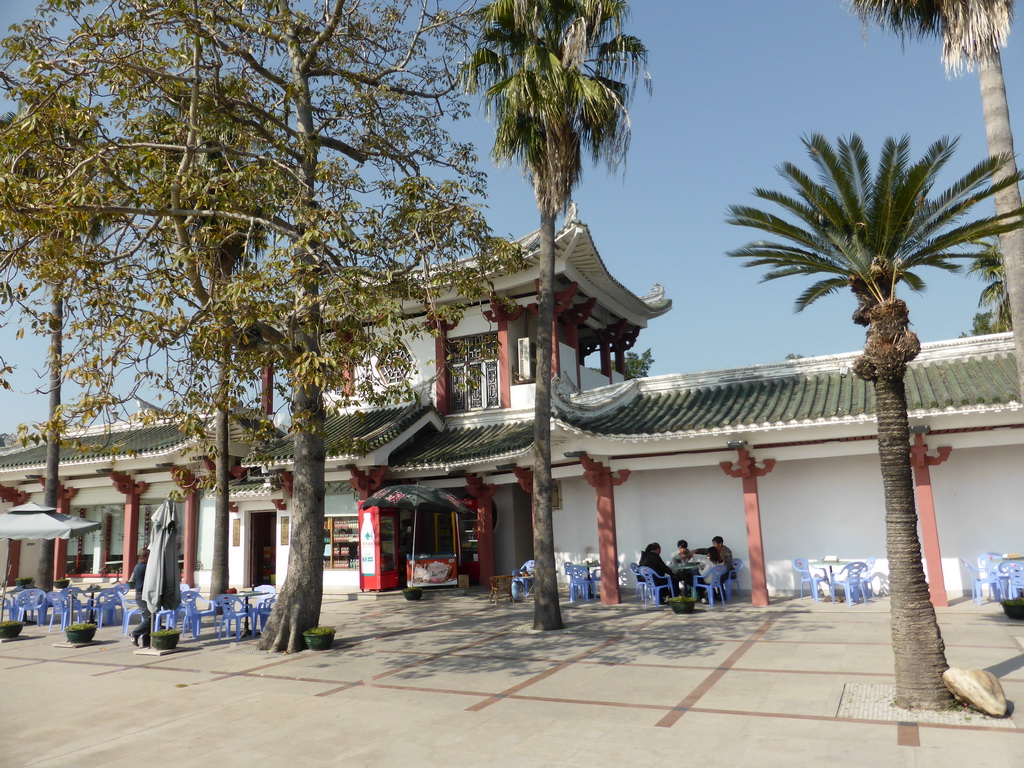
378,549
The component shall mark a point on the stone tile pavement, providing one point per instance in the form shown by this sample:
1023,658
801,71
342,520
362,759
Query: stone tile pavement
456,680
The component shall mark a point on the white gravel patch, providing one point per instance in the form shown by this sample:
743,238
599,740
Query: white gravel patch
869,701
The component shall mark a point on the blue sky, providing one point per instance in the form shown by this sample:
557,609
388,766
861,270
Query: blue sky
736,84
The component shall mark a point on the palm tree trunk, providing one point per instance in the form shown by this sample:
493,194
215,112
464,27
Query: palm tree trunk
44,570
1000,141
546,613
917,645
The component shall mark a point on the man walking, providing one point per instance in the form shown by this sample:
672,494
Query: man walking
142,629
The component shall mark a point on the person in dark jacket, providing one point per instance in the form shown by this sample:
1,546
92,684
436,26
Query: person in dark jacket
651,558
142,629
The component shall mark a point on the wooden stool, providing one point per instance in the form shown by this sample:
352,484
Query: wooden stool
501,586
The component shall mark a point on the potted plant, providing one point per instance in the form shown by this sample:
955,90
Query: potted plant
1014,609
61,583
164,639
10,629
682,604
24,581
80,633
319,638
413,593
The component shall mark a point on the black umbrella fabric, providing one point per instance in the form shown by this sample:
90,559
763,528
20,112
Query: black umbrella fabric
413,496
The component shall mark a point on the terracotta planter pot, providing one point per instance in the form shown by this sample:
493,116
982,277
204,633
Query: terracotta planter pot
318,642
163,642
682,607
80,635
1014,611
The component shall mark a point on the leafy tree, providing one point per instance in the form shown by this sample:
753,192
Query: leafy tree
556,76
638,366
871,231
972,32
327,122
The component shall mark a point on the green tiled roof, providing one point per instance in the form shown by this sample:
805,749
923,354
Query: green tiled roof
930,385
465,445
129,442
369,429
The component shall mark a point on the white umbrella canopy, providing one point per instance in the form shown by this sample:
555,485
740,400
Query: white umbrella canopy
34,521
160,587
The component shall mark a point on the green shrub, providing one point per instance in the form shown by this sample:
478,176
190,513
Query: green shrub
1017,602
321,630
12,623
80,627
166,633
682,599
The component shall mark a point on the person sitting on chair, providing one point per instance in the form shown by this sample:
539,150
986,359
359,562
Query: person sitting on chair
723,553
651,558
682,556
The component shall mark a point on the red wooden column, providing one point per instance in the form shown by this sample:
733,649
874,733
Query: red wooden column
501,316
603,481
484,494
13,496
574,317
189,483
563,301
746,468
60,546
132,507
369,481
525,477
921,461
442,399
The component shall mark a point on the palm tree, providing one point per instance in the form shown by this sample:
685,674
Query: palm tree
557,75
870,233
988,265
972,32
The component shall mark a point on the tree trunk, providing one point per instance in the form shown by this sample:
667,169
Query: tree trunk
44,571
1000,141
546,613
219,575
919,652
298,601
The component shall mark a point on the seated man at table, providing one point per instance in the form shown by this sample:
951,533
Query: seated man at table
682,556
651,558
721,552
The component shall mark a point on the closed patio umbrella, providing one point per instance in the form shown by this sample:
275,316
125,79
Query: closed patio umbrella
160,587
34,521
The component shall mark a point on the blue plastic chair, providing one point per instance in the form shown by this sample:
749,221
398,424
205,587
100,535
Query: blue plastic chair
232,609
580,585
106,603
260,608
806,577
641,585
980,578
732,578
31,603
129,610
851,579
522,580
193,613
65,604
711,581
654,589
1012,575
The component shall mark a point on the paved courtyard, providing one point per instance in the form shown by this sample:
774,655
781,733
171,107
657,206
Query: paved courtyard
454,680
